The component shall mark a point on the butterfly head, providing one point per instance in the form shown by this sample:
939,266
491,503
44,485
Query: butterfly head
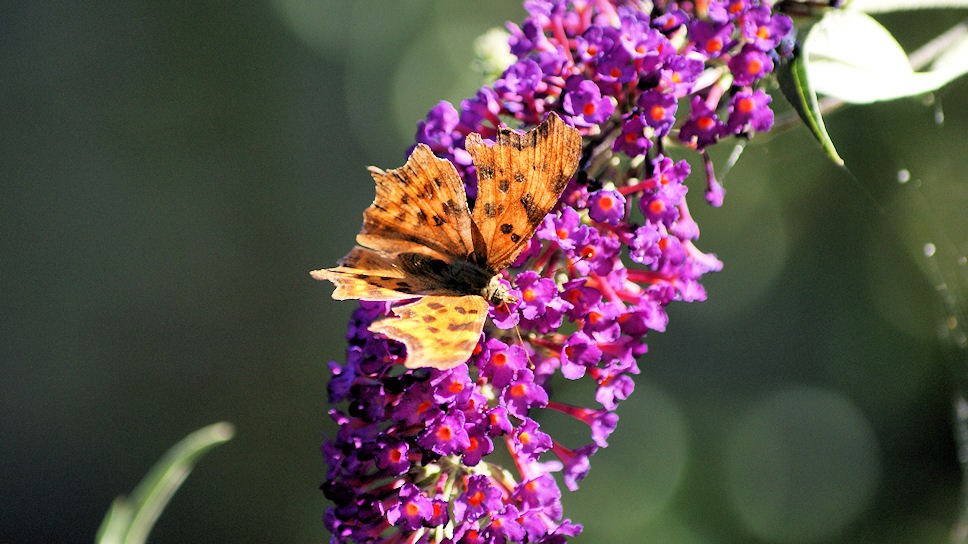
497,292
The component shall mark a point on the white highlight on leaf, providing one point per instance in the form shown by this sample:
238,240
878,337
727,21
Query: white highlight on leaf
853,58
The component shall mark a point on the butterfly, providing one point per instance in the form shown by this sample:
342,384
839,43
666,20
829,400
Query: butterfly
420,240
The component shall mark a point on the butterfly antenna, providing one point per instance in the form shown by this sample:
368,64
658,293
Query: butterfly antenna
517,331
567,266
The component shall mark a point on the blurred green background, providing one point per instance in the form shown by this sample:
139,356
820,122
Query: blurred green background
172,171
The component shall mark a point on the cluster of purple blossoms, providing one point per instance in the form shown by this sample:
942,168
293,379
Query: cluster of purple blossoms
410,460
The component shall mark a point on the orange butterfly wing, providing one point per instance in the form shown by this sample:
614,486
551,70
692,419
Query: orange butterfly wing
367,274
420,208
519,180
439,331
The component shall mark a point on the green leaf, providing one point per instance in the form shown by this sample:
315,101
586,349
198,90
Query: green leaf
884,6
796,88
130,519
851,57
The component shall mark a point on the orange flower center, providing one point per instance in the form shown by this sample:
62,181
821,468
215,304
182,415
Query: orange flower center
476,499
444,433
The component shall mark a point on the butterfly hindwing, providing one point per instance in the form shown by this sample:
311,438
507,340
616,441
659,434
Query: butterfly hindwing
519,180
419,205
438,331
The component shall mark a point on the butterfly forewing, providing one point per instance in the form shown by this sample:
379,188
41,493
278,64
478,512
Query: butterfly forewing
419,205
519,180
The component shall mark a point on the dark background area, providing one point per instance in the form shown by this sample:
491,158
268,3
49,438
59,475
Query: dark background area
172,171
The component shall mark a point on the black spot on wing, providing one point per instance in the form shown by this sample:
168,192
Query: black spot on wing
461,326
504,185
489,209
535,215
460,310
559,182
450,207
519,177
485,171
515,238
438,220
421,215
506,228
434,305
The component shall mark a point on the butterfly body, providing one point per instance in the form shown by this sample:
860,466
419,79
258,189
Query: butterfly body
420,240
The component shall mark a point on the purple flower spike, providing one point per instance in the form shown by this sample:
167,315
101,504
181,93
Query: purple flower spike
413,459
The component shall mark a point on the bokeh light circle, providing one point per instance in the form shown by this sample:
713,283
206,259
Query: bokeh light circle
801,465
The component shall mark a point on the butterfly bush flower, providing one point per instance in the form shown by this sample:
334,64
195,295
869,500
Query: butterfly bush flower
411,461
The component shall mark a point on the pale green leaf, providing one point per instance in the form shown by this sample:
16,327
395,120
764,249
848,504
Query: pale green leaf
850,56
884,6
130,519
